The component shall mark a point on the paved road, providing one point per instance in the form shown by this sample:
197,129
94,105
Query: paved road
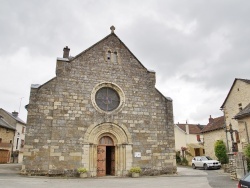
186,177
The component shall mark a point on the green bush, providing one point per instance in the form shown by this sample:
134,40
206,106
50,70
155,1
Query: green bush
221,151
247,154
247,151
178,158
81,170
184,161
135,170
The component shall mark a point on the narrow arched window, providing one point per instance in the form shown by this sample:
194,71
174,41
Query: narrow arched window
109,55
115,57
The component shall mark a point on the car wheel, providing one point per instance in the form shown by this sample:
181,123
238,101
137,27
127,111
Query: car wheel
205,166
193,165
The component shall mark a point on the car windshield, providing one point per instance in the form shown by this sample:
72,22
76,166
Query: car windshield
205,158
247,177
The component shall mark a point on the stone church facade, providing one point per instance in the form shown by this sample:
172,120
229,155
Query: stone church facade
102,112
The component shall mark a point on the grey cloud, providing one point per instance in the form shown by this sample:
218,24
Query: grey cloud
157,32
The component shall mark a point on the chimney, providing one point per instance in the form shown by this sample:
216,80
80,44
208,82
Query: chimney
15,114
210,120
187,127
66,52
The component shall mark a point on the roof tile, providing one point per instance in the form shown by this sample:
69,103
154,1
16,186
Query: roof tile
193,128
4,124
215,124
243,113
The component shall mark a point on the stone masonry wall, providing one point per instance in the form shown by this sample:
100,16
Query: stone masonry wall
61,110
209,140
244,131
6,135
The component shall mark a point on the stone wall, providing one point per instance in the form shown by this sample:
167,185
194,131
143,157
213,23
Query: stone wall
244,130
237,165
7,135
209,140
61,110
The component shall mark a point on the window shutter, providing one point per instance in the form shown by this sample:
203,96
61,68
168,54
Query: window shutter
237,137
198,137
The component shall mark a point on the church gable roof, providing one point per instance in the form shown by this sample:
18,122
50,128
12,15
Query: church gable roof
106,38
243,113
214,124
70,60
38,86
243,80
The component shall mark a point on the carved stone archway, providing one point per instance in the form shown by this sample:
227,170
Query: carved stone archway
122,142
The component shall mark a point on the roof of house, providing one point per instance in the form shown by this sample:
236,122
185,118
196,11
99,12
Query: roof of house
193,128
243,80
214,124
243,113
16,118
4,124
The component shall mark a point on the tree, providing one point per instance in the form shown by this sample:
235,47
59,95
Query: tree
221,151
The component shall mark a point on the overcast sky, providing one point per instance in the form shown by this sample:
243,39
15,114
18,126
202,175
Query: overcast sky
196,47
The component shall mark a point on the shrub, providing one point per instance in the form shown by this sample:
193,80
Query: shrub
221,151
247,154
178,158
247,151
184,162
135,170
81,170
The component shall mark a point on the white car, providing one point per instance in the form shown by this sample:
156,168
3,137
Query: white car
205,162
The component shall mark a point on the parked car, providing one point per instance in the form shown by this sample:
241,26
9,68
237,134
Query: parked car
205,162
245,181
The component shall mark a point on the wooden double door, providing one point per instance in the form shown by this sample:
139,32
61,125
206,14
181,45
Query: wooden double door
4,156
105,158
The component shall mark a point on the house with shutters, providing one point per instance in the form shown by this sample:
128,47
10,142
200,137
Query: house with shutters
237,99
101,111
189,136
19,137
213,131
7,133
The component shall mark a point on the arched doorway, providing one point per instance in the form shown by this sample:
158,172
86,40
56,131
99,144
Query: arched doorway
105,157
121,141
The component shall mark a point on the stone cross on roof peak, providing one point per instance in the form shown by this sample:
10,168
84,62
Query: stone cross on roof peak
112,28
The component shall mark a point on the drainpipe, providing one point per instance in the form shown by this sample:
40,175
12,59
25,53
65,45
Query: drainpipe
12,147
247,132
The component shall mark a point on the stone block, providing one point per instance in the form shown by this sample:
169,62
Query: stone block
75,154
55,154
